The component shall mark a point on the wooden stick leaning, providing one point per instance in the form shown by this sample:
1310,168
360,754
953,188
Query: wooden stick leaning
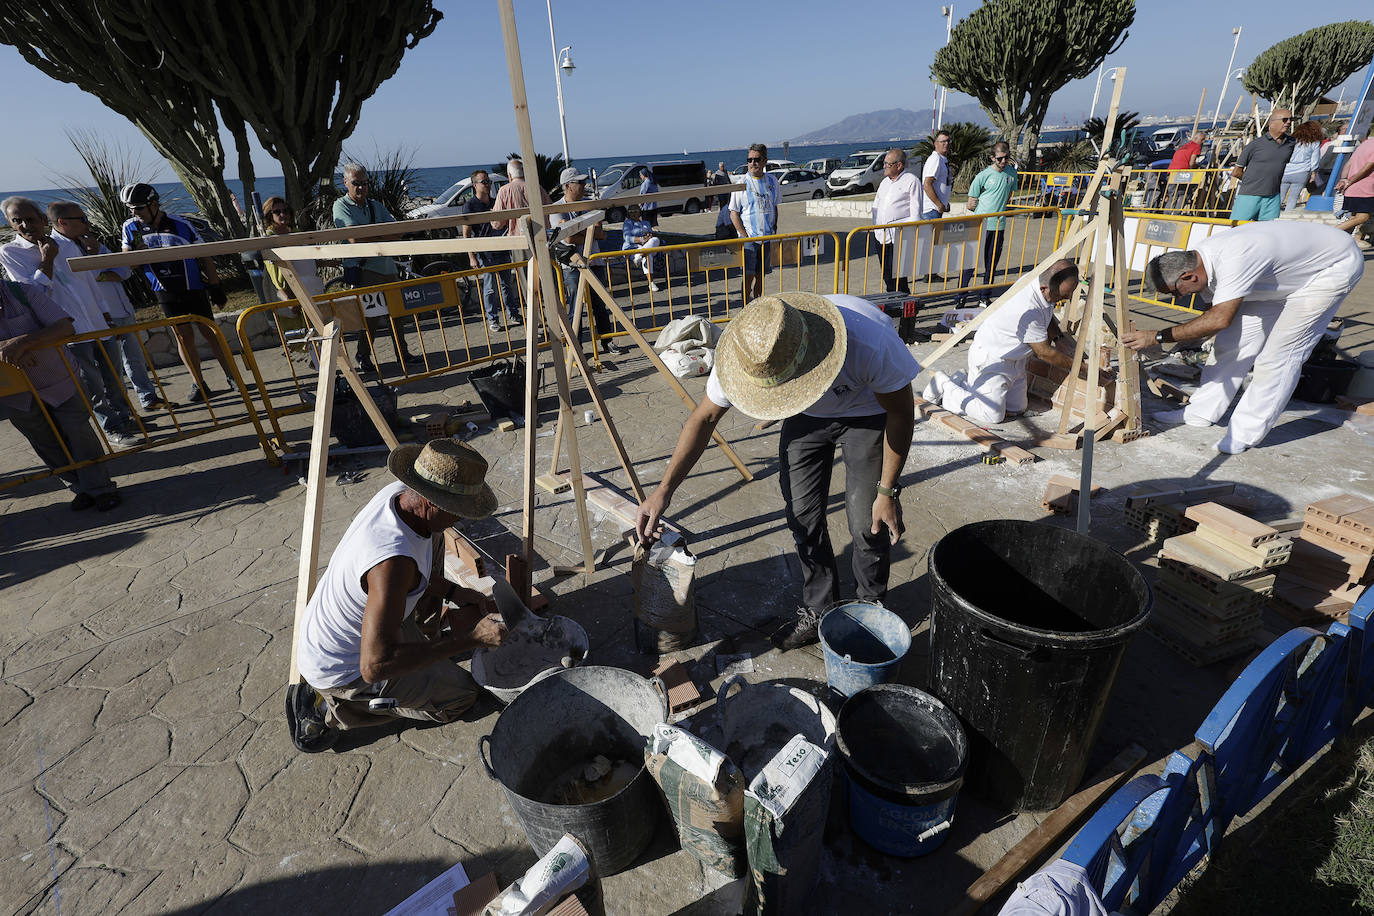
1128,367
362,233
308,566
1094,319
1198,117
628,324
574,336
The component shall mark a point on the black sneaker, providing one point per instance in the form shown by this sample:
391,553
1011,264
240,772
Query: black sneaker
365,365
199,394
801,632
82,502
308,731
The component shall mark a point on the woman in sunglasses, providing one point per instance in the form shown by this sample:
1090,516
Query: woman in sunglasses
280,219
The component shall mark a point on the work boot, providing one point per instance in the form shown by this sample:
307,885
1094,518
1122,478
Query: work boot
800,632
305,719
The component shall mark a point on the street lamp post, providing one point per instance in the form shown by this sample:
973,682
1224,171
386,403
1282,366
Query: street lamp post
1098,87
948,13
1227,78
1238,73
562,60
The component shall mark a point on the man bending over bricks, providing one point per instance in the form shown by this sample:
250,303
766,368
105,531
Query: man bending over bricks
995,385
835,372
359,641
1274,286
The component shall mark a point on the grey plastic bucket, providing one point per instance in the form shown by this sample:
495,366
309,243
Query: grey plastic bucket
569,717
863,645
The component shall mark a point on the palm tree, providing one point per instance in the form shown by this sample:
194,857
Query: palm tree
1126,124
547,168
968,143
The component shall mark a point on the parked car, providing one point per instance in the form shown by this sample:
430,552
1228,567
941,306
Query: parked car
1168,139
824,165
800,184
623,179
771,166
451,202
862,171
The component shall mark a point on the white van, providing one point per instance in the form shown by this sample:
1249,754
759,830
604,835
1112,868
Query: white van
1168,138
862,171
623,179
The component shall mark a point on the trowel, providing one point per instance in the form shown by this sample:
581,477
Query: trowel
508,604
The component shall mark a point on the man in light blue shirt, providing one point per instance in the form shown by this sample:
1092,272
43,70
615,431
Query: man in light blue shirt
989,193
754,211
649,208
355,208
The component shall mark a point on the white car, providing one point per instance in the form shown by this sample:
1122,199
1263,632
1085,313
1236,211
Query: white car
863,171
800,184
771,166
451,202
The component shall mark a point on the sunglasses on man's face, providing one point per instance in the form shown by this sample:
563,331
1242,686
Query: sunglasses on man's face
484,181
753,159
999,158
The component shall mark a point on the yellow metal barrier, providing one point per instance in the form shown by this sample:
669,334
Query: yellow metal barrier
708,280
188,422
1178,192
425,312
944,256
1150,234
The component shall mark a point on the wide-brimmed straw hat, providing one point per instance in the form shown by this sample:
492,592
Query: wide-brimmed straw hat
781,353
448,473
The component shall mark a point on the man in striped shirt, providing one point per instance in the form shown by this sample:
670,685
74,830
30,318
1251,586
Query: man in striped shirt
754,211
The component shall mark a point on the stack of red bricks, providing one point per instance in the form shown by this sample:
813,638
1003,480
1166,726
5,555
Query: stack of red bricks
1212,582
1051,383
1332,564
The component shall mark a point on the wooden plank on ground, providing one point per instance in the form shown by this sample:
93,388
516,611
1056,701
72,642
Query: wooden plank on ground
1051,831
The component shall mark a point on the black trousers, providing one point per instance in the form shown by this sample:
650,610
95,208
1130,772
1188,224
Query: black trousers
806,454
992,253
892,283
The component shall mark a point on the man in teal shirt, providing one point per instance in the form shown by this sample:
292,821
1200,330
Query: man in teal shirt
989,193
355,208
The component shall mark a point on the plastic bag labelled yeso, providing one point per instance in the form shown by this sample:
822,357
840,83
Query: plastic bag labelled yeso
664,578
705,793
564,870
784,814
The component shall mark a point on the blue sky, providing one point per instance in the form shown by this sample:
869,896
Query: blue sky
663,76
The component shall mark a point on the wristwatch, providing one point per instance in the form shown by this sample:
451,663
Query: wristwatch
894,491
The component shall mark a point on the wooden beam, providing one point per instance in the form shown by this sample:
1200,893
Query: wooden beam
1094,316
1198,117
369,232
1050,832
391,249
308,565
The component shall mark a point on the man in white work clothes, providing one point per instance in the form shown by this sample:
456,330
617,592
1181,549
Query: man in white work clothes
1274,286
995,385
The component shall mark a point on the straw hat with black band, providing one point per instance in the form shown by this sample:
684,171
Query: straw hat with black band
448,473
781,353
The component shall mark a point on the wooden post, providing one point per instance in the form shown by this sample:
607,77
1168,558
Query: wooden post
1093,318
314,495
1128,367
1198,117
595,285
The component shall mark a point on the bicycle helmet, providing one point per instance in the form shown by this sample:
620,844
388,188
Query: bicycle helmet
135,195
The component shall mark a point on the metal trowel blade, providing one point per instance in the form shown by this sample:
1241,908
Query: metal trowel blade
512,609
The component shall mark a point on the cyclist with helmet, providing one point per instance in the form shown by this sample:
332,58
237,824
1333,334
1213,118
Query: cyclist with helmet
184,287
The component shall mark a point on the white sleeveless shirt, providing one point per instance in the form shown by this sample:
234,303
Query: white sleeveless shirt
331,633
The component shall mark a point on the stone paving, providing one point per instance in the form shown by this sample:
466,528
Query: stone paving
145,765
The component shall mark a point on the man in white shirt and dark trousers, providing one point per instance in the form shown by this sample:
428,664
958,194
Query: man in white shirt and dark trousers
995,385
898,200
935,188
835,372
1274,286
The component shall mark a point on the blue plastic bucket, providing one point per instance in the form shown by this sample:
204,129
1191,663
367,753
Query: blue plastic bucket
904,755
863,644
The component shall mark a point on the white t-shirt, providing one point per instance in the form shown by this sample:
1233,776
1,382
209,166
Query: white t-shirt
877,360
1272,259
1008,331
332,631
936,167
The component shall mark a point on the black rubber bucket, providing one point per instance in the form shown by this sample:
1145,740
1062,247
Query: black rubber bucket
554,727
1027,628
1324,380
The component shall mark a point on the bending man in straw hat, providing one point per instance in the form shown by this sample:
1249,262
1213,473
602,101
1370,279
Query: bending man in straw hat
359,640
1274,286
834,370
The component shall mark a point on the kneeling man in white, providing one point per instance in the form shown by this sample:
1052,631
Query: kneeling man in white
995,384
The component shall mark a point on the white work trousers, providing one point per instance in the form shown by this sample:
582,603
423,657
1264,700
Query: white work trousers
1275,337
994,387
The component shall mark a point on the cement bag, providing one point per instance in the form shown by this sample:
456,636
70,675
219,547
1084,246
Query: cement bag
690,332
564,868
691,363
785,809
705,793
664,578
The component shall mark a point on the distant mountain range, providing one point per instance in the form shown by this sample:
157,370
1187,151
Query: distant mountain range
889,124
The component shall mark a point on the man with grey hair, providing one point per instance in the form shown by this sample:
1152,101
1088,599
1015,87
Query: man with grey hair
898,200
1274,287
357,208
1260,168
515,195
995,385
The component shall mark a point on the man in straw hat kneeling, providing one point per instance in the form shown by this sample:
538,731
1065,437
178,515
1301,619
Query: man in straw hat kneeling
834,370
359,641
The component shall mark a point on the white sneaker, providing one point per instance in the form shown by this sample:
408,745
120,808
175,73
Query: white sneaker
935,388
654,286
1228,446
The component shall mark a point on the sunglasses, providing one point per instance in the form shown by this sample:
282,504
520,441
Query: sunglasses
999,158
485,181
280,212
755,159
73,219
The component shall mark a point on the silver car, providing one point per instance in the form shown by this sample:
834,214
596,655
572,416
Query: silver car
800,184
